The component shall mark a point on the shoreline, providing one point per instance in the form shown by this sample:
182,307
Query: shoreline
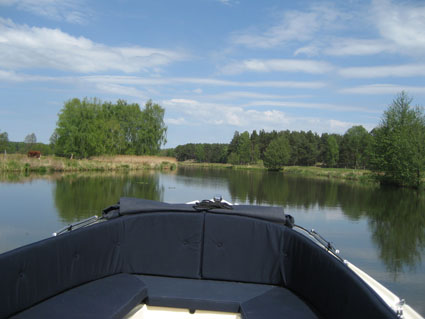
19,163
348,174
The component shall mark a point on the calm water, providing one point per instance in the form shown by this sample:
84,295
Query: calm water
380,230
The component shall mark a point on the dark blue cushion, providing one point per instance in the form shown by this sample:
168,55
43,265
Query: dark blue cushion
242,249
166,244
200,294
38,271
277,303
110,297
328,283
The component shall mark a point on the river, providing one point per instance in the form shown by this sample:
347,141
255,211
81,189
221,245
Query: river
381,230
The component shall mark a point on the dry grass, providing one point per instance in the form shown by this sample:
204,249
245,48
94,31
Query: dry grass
21,163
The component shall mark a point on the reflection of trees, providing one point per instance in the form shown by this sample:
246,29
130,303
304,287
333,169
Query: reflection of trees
77,197
277,189
396,219
396,216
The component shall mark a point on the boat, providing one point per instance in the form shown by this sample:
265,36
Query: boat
145,259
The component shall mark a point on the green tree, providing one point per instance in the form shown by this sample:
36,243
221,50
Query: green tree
355,148
244,148
88,127
332,151
399,144
277,153
153,130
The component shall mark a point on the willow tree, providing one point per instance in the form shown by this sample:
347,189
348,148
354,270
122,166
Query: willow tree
399,144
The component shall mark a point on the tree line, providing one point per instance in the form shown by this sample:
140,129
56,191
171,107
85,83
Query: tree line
278,148
394,150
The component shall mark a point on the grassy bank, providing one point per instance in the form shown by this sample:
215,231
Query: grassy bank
48,164
22,164
360,175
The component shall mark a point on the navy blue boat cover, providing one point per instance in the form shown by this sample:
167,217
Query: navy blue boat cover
247,244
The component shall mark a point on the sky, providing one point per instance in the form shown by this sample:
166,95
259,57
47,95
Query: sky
216,66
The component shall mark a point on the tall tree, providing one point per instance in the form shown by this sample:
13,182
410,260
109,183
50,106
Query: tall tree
277,153
399,144
332,151
153,132
355,146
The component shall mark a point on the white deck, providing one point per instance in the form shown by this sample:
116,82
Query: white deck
149,312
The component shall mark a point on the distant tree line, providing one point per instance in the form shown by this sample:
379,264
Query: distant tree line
278,148
395,149
89,127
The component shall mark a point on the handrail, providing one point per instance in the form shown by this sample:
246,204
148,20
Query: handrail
81,223
322,241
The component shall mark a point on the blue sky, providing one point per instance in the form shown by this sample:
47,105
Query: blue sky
216,66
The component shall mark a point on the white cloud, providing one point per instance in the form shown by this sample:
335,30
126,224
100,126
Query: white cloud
176,121
204,81
22,46
223,114
277,65
344,47
406,70
392,89
335,124
121,90
72,11
390,27
402,24
250,95
293,26
309,105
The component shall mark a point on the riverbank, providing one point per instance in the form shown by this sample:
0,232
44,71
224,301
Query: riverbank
359,175
19,163
46,164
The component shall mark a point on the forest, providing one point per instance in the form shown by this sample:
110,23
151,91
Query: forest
394,150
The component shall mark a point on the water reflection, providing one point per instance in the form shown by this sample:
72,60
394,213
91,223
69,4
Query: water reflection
81,196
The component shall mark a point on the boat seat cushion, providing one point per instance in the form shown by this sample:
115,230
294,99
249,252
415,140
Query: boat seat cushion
164,244
328,283
254,255
268,301
109,297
